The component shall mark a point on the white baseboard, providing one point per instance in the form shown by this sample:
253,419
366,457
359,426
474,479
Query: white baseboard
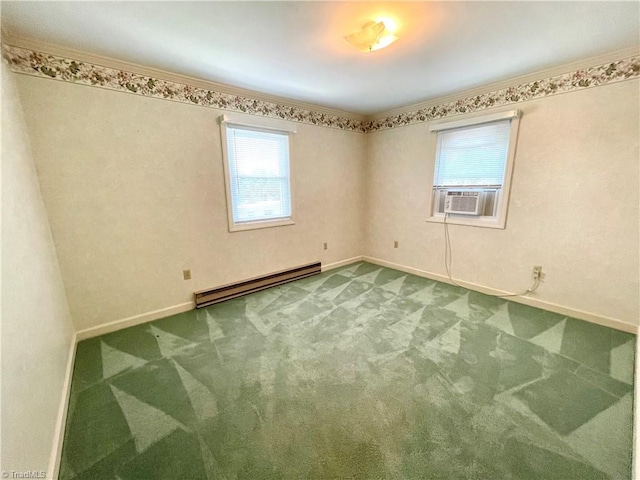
636,415
135,320
173,310
341,263
532,302
58,436
56,453
61,421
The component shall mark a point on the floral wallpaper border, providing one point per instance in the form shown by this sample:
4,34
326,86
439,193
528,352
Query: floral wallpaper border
43,65
48,66
580,79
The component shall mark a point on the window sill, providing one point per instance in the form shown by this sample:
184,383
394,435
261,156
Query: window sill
483,222
240,227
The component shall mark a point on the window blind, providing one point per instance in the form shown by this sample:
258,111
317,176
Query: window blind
258,174
473,156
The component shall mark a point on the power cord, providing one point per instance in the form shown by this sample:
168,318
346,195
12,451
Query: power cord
448,259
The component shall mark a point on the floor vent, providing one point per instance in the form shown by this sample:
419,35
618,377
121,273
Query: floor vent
210,296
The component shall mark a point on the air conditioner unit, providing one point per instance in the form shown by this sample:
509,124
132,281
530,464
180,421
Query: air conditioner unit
464,202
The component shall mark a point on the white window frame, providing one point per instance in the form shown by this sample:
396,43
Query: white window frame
499,220
260,124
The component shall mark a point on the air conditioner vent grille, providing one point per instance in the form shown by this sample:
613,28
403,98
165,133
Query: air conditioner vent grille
464,202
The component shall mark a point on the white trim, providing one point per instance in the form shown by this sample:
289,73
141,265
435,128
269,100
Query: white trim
500,218
278,222
481,221
53,469
636,414
168,311
27,43
532,302
22,41
581,64
225,171
259,123
56,451
134,320
341,263
438,126
505,192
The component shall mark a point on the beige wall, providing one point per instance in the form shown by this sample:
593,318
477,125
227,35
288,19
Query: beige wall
37,333
573,209
135,194
134,188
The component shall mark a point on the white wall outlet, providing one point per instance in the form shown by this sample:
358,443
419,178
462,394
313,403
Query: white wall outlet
326,245
395,244
536,272
186,274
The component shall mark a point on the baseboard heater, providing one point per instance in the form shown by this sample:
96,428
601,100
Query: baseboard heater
210,296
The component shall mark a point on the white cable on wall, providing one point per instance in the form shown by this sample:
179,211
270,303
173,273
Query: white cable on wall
448,261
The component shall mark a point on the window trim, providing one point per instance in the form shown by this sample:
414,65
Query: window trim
500,219
258,124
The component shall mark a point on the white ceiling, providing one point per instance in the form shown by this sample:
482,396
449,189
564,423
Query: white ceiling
296,49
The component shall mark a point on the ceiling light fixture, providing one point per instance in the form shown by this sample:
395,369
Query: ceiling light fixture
373,36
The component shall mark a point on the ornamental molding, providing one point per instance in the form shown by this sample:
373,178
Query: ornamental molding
604,74
54,67
44,65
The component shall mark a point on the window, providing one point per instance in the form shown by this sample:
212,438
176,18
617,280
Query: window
257,170
474,161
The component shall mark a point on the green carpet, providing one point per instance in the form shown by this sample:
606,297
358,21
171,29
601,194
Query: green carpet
360,372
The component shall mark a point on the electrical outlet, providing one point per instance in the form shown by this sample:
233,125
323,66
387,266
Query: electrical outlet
536,272
326,246
186,274
395,244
